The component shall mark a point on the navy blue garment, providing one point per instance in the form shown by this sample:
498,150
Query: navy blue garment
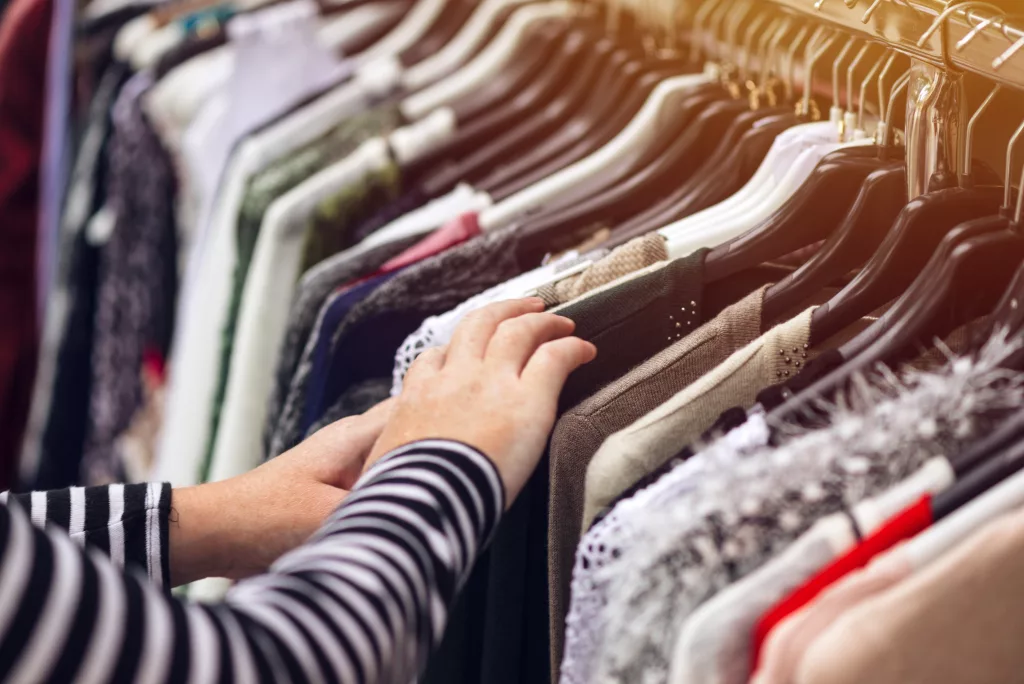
336,308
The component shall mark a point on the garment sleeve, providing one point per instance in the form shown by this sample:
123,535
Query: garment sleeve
364,601
127,523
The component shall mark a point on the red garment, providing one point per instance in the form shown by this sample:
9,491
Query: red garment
447,236
910,522
444,238
24,38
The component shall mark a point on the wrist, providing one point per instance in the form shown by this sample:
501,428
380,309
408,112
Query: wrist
237,528
201,539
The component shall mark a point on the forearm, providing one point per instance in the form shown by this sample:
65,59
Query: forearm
365,601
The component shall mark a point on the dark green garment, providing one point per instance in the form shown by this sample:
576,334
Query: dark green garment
331,228
263,190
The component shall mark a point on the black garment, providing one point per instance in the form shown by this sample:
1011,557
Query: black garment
635,320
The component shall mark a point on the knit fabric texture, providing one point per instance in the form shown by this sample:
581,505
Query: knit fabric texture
313,290
631,257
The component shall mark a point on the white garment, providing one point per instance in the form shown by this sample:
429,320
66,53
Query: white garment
206,287
586,622
714,644
277,63
432,215
888,429
894,419
263,313
437,331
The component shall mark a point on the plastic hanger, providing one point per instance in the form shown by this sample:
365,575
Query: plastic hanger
882,196
577,180
533,57
501,105
726,171
631,194
590,134
740,154
842,200
412,28
554,98
759,200
712,117
447,24
487,64
456,52
619,75
910,242
610,108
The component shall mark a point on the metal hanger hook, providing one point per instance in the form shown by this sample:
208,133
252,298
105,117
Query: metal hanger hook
979,27
1002,59
863,88
971,124
881,85
849,75
1008,183
809,69
835,70
900,85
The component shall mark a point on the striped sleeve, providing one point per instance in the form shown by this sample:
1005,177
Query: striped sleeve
128,523
364,601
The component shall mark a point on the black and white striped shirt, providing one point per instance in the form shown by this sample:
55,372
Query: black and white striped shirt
365,600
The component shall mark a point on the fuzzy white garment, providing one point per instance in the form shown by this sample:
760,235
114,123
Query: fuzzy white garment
437,331
714,646
663,558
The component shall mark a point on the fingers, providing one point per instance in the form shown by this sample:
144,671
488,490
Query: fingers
516,339
426,364
551,364
475,332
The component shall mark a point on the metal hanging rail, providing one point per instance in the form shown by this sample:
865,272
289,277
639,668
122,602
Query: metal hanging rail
974,37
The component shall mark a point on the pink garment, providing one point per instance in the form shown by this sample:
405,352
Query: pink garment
447,236
792,638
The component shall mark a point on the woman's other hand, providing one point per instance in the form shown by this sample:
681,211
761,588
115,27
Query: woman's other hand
238,527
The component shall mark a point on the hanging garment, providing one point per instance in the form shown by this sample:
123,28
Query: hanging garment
137,281
647,306
51,455
23,49
314,288
767,499
579,433
266,273
951,623
715,644
792,638
638,449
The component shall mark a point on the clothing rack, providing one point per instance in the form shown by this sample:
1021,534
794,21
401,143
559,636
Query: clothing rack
974,38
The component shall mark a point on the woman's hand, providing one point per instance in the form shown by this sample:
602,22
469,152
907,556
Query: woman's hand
238,527
495,387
